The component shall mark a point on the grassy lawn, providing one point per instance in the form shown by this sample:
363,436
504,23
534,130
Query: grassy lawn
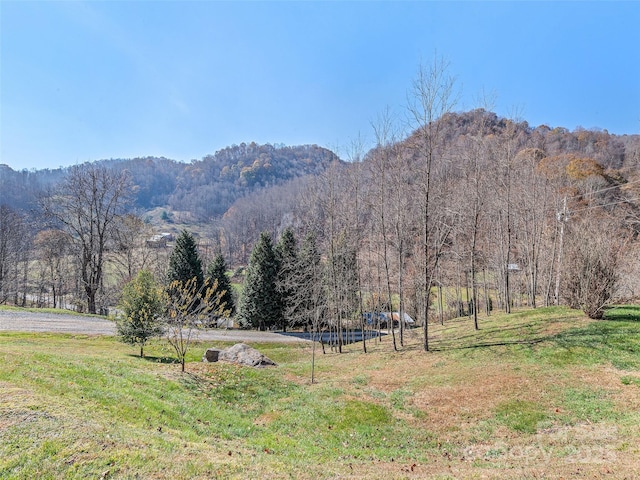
539,393
55,311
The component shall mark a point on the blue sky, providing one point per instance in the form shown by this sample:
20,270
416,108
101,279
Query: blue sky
83,81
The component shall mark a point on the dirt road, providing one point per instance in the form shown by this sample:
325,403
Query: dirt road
18,321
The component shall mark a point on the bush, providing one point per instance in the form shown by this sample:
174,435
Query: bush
591,271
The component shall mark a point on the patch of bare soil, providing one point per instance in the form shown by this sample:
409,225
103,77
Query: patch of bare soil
459,402
474,396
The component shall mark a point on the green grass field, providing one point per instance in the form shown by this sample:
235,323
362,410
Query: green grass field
539,393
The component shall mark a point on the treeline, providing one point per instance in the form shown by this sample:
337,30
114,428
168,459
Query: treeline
486,212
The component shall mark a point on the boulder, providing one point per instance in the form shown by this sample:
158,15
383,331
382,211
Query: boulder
243,354
211,355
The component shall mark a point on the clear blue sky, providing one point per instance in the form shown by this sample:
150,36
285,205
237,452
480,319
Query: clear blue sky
83,81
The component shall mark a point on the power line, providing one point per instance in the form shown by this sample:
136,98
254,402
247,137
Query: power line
628,200
604,189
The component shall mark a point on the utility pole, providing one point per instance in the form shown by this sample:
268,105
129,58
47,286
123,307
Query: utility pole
562,218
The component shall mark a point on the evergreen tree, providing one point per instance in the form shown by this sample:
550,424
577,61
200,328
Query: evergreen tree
217,270
260,306
287,253
142,305
184,262
185,267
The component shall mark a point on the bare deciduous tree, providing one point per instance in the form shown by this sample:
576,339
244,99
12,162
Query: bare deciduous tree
130,253
86,205
190,308
531,206
356,219
13,243
381,164
307,304
53,247
431,97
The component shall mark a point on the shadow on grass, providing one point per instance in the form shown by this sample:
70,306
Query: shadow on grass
169,360
329,338
441,347
623,313
602,332
607,333
616,332
530,333
527,329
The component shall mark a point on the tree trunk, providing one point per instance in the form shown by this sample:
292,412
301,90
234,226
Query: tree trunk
91,300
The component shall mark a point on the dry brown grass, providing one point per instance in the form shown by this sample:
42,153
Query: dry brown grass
456,397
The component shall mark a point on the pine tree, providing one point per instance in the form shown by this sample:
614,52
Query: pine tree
217,270
287,253
184,262
185,267
260,306
142,304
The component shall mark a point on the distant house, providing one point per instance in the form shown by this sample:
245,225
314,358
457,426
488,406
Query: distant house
159,240
384,319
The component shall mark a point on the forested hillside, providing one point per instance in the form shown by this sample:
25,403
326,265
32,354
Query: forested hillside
20,189
205,188
472,150
465,215
489,211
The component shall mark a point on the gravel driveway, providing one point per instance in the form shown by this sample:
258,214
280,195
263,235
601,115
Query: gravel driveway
18,321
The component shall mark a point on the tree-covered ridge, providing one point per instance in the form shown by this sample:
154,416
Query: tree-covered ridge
206,188
609,150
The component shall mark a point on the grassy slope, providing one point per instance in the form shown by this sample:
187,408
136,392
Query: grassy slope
545,392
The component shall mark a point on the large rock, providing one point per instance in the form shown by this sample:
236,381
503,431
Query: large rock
242,354
211,355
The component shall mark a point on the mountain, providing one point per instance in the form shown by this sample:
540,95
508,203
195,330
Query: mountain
238,178
19,189
205,188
